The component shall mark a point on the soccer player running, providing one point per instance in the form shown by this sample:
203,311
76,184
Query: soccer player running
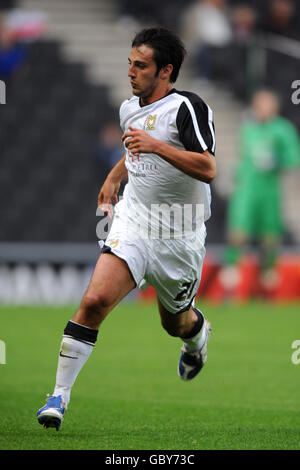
169,162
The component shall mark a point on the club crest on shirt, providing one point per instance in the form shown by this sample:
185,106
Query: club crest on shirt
150,122
114,243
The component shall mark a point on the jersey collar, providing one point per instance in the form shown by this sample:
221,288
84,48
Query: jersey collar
173,90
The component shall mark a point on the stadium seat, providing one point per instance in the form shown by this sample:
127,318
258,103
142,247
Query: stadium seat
57,115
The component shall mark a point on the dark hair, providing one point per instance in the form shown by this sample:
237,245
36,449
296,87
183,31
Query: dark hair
168,48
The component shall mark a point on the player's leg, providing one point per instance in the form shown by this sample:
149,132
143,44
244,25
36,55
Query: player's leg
193,329
176,267
237,240
241,224
110,282
179,324
271,228
241,221
269,235
268,252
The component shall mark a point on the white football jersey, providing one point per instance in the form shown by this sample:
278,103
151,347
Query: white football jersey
180,119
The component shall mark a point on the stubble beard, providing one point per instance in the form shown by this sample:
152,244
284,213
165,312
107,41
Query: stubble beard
144,94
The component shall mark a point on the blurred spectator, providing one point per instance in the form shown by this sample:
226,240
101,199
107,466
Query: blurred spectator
156,13
12,53
243,20
269,144
109,148
243,23
131,9
108,151
281,19
206,31
17,29
26,25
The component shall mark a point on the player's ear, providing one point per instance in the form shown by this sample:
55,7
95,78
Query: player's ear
166,71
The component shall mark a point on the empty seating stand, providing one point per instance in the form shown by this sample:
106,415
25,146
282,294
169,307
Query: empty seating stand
49,181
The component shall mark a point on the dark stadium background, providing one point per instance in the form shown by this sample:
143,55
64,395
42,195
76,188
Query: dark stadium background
63,92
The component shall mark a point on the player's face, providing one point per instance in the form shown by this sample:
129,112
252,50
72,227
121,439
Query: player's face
265,106
142,71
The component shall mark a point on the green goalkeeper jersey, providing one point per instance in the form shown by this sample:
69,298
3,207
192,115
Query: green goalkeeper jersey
266,148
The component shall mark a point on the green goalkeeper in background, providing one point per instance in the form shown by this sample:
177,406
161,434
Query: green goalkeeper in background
269,144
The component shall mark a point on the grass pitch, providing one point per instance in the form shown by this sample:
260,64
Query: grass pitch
128,396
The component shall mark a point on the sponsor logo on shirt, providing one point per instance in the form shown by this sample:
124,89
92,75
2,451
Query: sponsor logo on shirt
132,155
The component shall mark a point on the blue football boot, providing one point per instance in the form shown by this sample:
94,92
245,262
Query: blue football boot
52,414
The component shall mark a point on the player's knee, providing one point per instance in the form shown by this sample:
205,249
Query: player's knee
96,303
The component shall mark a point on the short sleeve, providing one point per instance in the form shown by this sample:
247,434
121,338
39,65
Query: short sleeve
195,125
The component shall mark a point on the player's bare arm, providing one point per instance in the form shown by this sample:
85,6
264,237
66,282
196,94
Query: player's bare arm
201,166
109,191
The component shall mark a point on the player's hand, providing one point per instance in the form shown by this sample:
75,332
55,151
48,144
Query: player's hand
139,141
108,194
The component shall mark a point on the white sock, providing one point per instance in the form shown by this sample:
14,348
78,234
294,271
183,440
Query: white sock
197,341
68,368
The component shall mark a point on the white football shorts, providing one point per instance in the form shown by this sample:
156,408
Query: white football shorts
172,266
